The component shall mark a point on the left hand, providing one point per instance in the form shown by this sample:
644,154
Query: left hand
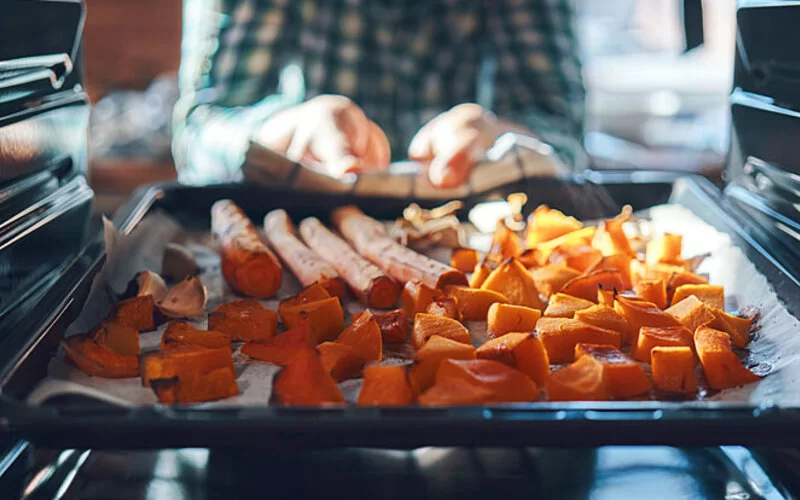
453,142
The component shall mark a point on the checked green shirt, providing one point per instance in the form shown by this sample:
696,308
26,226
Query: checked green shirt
402,61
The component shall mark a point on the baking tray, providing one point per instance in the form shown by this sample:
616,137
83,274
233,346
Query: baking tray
81,422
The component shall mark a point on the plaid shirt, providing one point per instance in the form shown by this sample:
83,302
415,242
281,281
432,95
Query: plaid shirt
402,61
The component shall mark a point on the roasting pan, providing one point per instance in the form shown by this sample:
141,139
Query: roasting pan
72,421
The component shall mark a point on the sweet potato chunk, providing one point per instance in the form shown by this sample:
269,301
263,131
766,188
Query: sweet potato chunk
586,286
507,384
446,306
305,382
654,291
710,295
610,239
605,317
474,303
738,328
244,320
137,313
184,363
617,262
97,361
455,392
581,258
281,348
427,325
479,275
430,356
622,376
673,369
464,259
312,293
691,313
507,318
196,387
364,336
339,360
641,313
580,381
522,351
505,244
722,368
560,335
605,297
678,279
393,325
325,316
666,248
385,386
551,278
416,297
513,281
179,333
546,224
664,336
117,338
564,306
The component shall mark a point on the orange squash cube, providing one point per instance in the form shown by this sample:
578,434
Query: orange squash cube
507,318
546,224
184,362
196,387
722,368
617,262
641,313
565,306
455,392
691,313
673,369
340,360
179,333
312,293
505,244
325,316
479,275
581,258
507,384
137,313
560,336
283,347
580,381
416,297
605,297
117,338
551,278
393,325
464,259
385,386
522,351
586,286
604,317
678,279
710,295
305,382
427,325
610,238
364,336
661,336
666,248
474,303
654,291
738,328
96,360
446,306
623,377
244,320
512,280
430,356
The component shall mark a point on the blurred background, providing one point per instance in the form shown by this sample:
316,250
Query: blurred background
658,75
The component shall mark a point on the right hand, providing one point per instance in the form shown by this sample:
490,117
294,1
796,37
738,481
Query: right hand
329,132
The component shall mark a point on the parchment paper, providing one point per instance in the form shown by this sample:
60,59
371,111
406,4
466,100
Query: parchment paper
774,350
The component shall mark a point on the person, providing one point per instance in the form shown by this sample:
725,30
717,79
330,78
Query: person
350,85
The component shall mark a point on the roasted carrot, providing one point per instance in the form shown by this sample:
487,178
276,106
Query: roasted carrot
248,265
369,238
371,285
305,263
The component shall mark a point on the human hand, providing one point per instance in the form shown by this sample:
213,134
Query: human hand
329,132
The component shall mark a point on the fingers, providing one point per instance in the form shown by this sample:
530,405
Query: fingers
453,160
378,151
420,149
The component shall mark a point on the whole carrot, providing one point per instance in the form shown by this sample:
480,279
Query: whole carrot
372,286
305,263
247,264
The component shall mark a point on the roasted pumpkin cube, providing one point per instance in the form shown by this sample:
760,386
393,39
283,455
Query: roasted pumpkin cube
427,325
179,333
446,306
393,325
605,317
678,279
340,360
507,384
312,293
546,224
137,312
512,280
641,313
185,362
283,347
661,336
522,351
364,336
507,318
666,248
623,377
654,291
560,336
738,328
722,368
562,305
582,257
673,369
606,297
580,381
96,360
464,259
385,386
479,275
430,355
196,387
416,297
118,338
474,303
244,320
505,244
610,238
455,392
691,313
586,286
617,262
325,316
551,278
305,382
710,295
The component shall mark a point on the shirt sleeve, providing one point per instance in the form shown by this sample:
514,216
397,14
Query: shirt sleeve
234,74
538,80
